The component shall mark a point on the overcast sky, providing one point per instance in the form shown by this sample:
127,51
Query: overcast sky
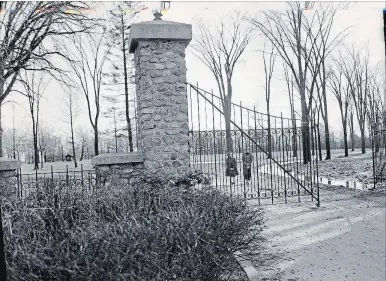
367,30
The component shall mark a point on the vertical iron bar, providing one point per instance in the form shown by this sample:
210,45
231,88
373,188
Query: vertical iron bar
214,142
257,162
373,152
242,149
222,156
191,130
234,141
284,161
199,128
208,155
21,184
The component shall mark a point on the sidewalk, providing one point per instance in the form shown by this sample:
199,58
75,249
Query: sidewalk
342,240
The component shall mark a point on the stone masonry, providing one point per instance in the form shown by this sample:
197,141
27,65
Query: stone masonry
116,166
8,176
162,103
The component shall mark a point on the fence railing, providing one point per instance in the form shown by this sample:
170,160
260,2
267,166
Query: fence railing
64,180
283,149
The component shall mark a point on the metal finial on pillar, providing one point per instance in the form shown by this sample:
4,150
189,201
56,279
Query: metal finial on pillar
157,15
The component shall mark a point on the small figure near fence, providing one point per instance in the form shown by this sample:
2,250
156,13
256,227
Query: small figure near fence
231,167
247,165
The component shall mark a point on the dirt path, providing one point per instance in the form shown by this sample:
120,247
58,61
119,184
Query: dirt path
344,239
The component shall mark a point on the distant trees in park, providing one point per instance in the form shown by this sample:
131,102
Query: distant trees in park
220,48
26,31
300,46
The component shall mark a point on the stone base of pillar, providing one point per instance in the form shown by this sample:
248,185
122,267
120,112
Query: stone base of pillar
115,166
8,176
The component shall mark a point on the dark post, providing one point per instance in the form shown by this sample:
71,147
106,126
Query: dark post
67,175
3,266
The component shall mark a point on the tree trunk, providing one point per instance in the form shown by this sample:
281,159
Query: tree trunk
319,144
363,140
305,134
327,138
345,138
96,141
41,159
227,115
312,141
73,142
81,152
325,119
36,152
128,119
269,147
352,131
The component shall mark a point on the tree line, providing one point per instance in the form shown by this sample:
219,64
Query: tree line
96,72
41,43
315,62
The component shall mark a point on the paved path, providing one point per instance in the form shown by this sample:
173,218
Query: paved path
342,240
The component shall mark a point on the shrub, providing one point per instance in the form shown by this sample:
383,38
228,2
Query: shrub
151,230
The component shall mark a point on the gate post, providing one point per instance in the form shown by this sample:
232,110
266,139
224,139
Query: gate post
162,103
8,176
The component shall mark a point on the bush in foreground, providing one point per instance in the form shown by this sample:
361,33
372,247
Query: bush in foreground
152,230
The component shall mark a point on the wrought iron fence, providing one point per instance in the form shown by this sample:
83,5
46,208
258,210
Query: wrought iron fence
64,181
283,150
379,152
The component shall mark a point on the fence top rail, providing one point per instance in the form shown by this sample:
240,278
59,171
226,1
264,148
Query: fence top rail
56,172
239,106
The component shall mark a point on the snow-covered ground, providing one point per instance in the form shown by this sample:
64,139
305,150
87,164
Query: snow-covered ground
357,167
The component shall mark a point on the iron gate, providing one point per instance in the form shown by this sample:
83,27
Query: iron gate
280,170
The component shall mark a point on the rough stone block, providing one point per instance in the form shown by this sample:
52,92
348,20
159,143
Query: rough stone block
184,108
117,158
9,164
170,65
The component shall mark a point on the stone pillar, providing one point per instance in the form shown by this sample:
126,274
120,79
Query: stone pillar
8,176
162,103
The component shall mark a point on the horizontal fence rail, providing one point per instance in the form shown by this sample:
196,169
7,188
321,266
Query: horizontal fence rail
281,162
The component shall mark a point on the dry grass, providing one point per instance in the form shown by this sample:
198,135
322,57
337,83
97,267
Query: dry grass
152,230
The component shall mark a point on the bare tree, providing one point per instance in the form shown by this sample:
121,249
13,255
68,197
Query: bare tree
297,39
268,71
45,142
83,136
71,111
340,88
113,112
357,72
220,49
87,64
325,18
121,24
34,86
351,126
25,27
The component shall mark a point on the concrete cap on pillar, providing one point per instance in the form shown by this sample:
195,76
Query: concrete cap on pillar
159,29
9,164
